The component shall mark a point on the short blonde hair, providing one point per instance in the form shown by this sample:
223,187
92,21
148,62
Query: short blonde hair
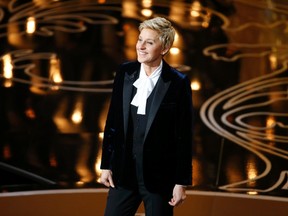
163,27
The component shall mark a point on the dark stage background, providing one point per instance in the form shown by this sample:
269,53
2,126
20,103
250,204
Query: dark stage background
58,60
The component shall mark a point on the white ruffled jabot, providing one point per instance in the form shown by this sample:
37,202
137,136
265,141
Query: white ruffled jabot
145,85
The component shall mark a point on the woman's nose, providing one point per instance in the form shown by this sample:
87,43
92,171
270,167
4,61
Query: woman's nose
142,45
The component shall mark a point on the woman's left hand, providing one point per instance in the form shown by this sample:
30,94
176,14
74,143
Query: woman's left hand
179,195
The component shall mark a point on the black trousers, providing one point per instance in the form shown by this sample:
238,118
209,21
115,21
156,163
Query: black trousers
125,202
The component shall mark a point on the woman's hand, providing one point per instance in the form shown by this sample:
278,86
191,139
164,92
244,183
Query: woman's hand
179,195
106,178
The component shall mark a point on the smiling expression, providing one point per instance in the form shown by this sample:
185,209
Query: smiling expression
149,48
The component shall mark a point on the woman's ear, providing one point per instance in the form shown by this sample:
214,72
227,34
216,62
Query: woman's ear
164,51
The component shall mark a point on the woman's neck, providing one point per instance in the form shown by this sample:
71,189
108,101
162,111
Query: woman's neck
149,69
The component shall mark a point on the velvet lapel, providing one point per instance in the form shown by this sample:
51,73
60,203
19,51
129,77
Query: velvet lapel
129,79
160,91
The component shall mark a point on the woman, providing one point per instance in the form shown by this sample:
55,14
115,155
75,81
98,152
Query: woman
147,146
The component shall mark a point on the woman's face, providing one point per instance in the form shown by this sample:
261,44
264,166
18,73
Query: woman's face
149,48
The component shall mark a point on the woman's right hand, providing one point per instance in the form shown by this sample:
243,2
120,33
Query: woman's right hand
106,178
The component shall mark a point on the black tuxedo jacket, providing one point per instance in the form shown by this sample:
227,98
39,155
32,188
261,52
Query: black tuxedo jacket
167,149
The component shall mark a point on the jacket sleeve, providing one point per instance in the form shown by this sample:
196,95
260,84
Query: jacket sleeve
183,174
108,145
